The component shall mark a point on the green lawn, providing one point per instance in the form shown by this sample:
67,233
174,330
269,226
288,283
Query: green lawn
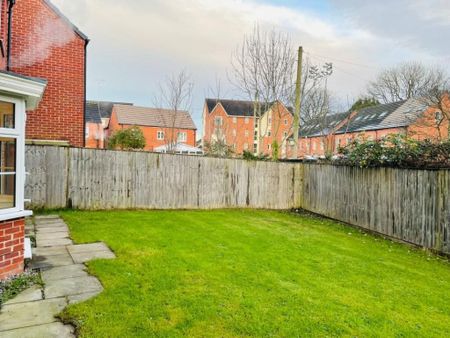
241,273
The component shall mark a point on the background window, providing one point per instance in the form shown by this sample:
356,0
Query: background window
218,120
160,135
234,119
246,120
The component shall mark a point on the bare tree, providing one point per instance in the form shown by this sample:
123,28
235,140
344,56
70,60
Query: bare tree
263,69
174,101
406,80
429,85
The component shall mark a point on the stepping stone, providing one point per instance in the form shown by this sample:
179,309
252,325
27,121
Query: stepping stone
29,295
71,286
21,315
82,297
50,224
87,247
50,251
46,262
54,242
51,235
64,272
52,229
52,330
47,217
83,257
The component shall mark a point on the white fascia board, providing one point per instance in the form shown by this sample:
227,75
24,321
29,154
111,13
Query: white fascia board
28,89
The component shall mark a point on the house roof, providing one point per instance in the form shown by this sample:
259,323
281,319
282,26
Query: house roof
101,108
154,117
237,107
322,126
383,116
66,20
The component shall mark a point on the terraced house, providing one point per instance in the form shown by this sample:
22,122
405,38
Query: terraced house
408,117
233,123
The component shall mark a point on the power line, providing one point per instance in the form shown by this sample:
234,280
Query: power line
343,61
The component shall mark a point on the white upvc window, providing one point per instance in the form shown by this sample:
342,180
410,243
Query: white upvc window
218,121
182,137
234,132
160,135
246,133
246,120
12,154
87,132
234,119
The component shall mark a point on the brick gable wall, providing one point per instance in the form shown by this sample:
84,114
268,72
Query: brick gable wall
45,46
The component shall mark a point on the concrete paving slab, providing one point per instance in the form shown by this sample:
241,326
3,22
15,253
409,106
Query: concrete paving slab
63,272
60,228
21,315
29,295
46,262
47,217
52,330
50,251
51,235
74,299
54,242
83,257
100,246
71,286
50,224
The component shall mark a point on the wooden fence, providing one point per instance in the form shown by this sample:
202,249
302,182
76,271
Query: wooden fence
104,179
410,205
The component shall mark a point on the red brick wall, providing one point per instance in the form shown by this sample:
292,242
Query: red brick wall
12,237
151,133
237,130
45,46
96,135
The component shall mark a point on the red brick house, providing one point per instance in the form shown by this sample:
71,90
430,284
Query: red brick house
46,45
233,122
409,117
160,126
98,114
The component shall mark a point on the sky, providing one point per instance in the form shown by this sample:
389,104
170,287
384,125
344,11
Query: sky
136,44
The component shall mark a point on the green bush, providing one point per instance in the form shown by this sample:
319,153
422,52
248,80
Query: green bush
127,139
396,151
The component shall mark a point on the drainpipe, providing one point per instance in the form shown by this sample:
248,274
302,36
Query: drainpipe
11,4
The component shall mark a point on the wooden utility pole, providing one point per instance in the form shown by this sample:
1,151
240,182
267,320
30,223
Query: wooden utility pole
298,101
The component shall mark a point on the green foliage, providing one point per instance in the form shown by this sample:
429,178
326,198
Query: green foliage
254,273
364,102
249,156
275,150
127,139
396,151
218,149
12,286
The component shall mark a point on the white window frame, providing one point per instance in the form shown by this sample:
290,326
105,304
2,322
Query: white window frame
158,135
87,132
183,138
18,133
246,120
218,121
234,119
